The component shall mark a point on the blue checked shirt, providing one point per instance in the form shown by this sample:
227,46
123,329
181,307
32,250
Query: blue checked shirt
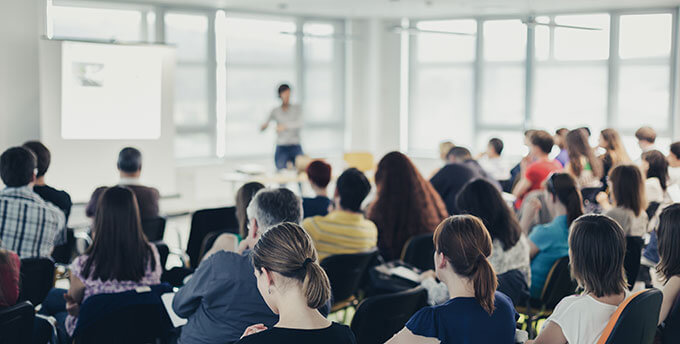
29,226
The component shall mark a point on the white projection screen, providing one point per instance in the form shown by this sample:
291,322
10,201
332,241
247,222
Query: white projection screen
95,99
110,92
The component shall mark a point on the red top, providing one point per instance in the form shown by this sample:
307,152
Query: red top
9,280
536,173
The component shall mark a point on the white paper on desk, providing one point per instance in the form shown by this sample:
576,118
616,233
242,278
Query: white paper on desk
174,318
405,273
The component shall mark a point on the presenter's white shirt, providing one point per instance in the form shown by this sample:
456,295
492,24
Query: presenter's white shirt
291,118
582,318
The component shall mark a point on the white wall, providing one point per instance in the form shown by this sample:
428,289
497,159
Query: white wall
20,27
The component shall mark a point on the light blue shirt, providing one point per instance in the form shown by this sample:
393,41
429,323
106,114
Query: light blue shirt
552,240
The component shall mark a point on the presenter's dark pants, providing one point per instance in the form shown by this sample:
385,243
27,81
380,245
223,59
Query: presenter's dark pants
286,153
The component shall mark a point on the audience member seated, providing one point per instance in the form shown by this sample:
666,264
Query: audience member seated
597,249
405,205
561,142
221,299
345,229
444,149
492,162
293,285
29,225
669,267
244,195
319,174
9,277
628,195
583,165
451,178
476,312
515,171
57,197
646,137
548,242
130,168
654,167
674,164
615,153
510,246
119,259
536,167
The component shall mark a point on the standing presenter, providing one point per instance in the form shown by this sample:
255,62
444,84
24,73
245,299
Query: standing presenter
288,118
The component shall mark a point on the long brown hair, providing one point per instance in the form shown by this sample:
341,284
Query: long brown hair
120,250
466,244
563,187
406,204
243,197
658,167
668,234
288,250
577,147
5,260
628,188
614,147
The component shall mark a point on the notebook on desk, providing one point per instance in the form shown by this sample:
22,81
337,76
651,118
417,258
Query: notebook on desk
174,318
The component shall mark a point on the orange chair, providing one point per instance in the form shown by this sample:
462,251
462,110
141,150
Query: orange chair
634,320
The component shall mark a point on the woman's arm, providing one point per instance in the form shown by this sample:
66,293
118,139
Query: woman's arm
533,249
405,336
670,294
551,334
77,289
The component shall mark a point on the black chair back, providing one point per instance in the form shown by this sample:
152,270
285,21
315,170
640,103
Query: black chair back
154,228
37,279
63,254
419,252
127,317
558,284
637,320
670,329
16,323
378,318
631,261
163,252
514,284
345,272
206,221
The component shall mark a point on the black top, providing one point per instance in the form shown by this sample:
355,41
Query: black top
57,197
334,334
317,206
450,180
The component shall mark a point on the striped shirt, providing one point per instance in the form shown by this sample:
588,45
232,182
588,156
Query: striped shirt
341,232
29,226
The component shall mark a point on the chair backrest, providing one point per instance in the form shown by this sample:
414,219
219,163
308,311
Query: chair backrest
163,252
154,228
37,278
127,317
362,161
634,321
419,252
16,323
378,318
206,221
558,284
670,331
345,272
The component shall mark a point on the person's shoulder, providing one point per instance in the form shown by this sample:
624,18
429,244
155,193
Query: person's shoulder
340,331
503,302
574,303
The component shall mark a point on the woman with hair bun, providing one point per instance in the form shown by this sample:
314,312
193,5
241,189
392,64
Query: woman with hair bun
294,286
476,312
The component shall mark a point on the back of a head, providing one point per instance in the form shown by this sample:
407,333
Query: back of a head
466,244
497,145
243,197
17,165
585,130
444,148
628,188
42,154
289,251
459,153
483,200
614,146
668,235
675,149
597,247
319,173
352,187
563,186
658,166
130,160
578,147
647,134
543,140
120,249
271,207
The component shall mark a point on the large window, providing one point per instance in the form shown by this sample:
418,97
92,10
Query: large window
120,24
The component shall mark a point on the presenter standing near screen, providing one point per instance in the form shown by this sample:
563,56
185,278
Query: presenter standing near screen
288,118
